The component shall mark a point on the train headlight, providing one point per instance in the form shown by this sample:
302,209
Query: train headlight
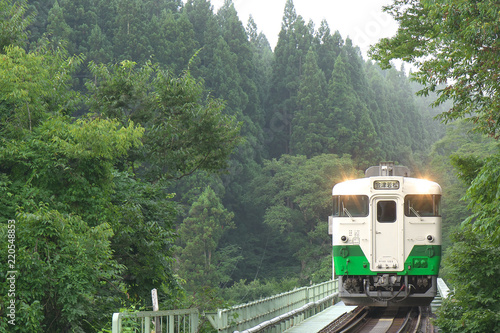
430,238
344,239
424,186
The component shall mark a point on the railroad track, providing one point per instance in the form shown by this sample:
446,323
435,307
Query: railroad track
382,320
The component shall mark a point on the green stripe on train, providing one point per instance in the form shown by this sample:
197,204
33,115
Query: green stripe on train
350,260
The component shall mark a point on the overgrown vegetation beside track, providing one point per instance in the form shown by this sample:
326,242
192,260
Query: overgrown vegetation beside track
175,149
455,46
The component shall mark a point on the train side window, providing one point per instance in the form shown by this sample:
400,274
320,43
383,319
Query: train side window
423,205
336,205
386,211
350,205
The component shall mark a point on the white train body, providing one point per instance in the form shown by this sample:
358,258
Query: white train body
386,237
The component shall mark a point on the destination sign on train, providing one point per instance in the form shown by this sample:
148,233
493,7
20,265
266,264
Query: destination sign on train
386,184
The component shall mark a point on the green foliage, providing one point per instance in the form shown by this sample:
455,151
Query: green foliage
68,165
144,237
484,196
59,177
100,48
243,291
61,264
452,43
34,85
294,41
115,168
353,130
310,131
454,162
362,111
471,264
262,59
202,263
57,27
328,47
184,133
295,193
467,166
194,134
13,23
175,42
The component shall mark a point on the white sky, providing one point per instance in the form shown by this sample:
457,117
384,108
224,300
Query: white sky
361,20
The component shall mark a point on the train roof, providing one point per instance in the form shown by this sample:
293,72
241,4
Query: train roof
407,185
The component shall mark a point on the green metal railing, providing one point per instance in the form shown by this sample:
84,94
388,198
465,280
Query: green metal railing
443,293
272,314
172,321
443,288
246,316
285,321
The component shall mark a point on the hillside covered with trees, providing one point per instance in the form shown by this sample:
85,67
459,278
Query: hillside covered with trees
455,46
162,144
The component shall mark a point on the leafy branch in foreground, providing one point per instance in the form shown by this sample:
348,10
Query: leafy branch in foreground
454,45
185,131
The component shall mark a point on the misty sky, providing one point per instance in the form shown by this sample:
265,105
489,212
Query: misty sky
362,20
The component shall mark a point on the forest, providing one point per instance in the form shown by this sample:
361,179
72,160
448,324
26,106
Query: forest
163,144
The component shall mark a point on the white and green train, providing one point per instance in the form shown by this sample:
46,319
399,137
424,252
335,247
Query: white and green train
386,236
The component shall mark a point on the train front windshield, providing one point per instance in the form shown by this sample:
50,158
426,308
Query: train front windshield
350,205
417,205
423,205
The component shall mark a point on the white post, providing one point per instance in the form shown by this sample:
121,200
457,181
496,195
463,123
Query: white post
154,296
330,232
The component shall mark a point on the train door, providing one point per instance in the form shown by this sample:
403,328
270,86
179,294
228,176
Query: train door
387,234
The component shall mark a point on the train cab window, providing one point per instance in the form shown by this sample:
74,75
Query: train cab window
422,205
350,205
386,211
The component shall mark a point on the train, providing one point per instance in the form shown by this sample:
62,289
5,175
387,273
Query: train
386,238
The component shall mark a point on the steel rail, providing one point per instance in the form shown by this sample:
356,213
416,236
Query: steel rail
407,322
402,320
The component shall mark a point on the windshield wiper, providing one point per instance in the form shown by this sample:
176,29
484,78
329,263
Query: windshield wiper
348,214
415,212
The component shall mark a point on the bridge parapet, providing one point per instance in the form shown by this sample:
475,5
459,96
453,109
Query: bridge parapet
443,288
156,321
287,309
245,316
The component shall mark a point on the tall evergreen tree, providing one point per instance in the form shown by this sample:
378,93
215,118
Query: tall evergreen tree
235,36
262,63
57,29
175,42
404,118
294,41
294,193
131,40
328,47
380,104
233,76
354,65
200,13
311,132
101,50
39,9
353,130
81,16
200,233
